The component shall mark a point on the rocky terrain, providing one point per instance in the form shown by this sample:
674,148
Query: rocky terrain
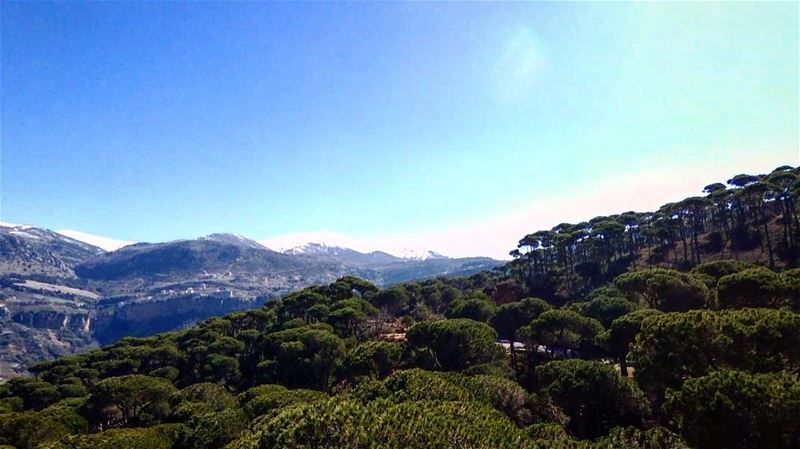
59,295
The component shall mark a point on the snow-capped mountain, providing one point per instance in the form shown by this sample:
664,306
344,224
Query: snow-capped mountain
322,249
26,249
105,243
234,239
413,254
346,256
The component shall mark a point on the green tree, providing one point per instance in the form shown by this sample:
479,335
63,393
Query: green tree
391,300
672,347
756,287
478,309
665,290
301,357
562,330
593,395
738,410
621,334
455,344
372,359
130,400
510,317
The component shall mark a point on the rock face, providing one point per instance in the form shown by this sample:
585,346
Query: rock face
59,295
54,319
142,318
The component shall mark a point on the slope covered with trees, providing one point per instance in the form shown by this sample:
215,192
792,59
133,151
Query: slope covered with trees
752,218
705,356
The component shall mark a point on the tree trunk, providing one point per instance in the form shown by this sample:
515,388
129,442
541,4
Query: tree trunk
769,240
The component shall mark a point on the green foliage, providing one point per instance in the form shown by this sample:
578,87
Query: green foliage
391,299
547,431
758,287
606,309
131,400
737,410
478,309
720,268
512,316
635,438
618,338
372,359
452,345
593,395
562,329
212,430
665,290
259,401
35,394
301,357
157,437
214,395
28,430
417,385
316,340
674,346
416,424
347,321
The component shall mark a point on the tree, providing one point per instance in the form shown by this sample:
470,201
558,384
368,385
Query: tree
510,317
672,347
391,300
621,334
636,438
372,359
157,437
717,269
131,400
561,329
301,357
297,305
478,309
737,410
755,194
755,287
347,321
606,309
593,395
665,290
452,345
415,424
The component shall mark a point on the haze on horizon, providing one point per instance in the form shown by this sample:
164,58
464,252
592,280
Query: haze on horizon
450,127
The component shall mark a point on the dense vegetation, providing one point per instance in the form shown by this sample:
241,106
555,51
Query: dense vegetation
752,218
703,355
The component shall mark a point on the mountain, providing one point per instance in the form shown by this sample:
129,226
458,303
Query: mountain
105,243
214,254
28,250
60,295
346,256
421,255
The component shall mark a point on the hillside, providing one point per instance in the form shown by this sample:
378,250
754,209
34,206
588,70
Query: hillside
649,358
752,218
59,295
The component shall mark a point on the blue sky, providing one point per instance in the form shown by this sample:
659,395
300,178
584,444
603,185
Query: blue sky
452,126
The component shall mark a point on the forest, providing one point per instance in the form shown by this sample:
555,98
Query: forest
678,328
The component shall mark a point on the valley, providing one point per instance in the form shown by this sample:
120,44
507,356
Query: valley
59,295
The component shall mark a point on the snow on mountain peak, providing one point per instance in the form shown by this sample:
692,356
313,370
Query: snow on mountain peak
105,243
326,242
415,254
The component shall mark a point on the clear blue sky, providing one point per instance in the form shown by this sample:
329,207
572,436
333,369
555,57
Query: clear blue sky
154,121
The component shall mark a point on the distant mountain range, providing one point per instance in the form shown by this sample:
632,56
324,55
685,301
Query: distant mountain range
60,293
